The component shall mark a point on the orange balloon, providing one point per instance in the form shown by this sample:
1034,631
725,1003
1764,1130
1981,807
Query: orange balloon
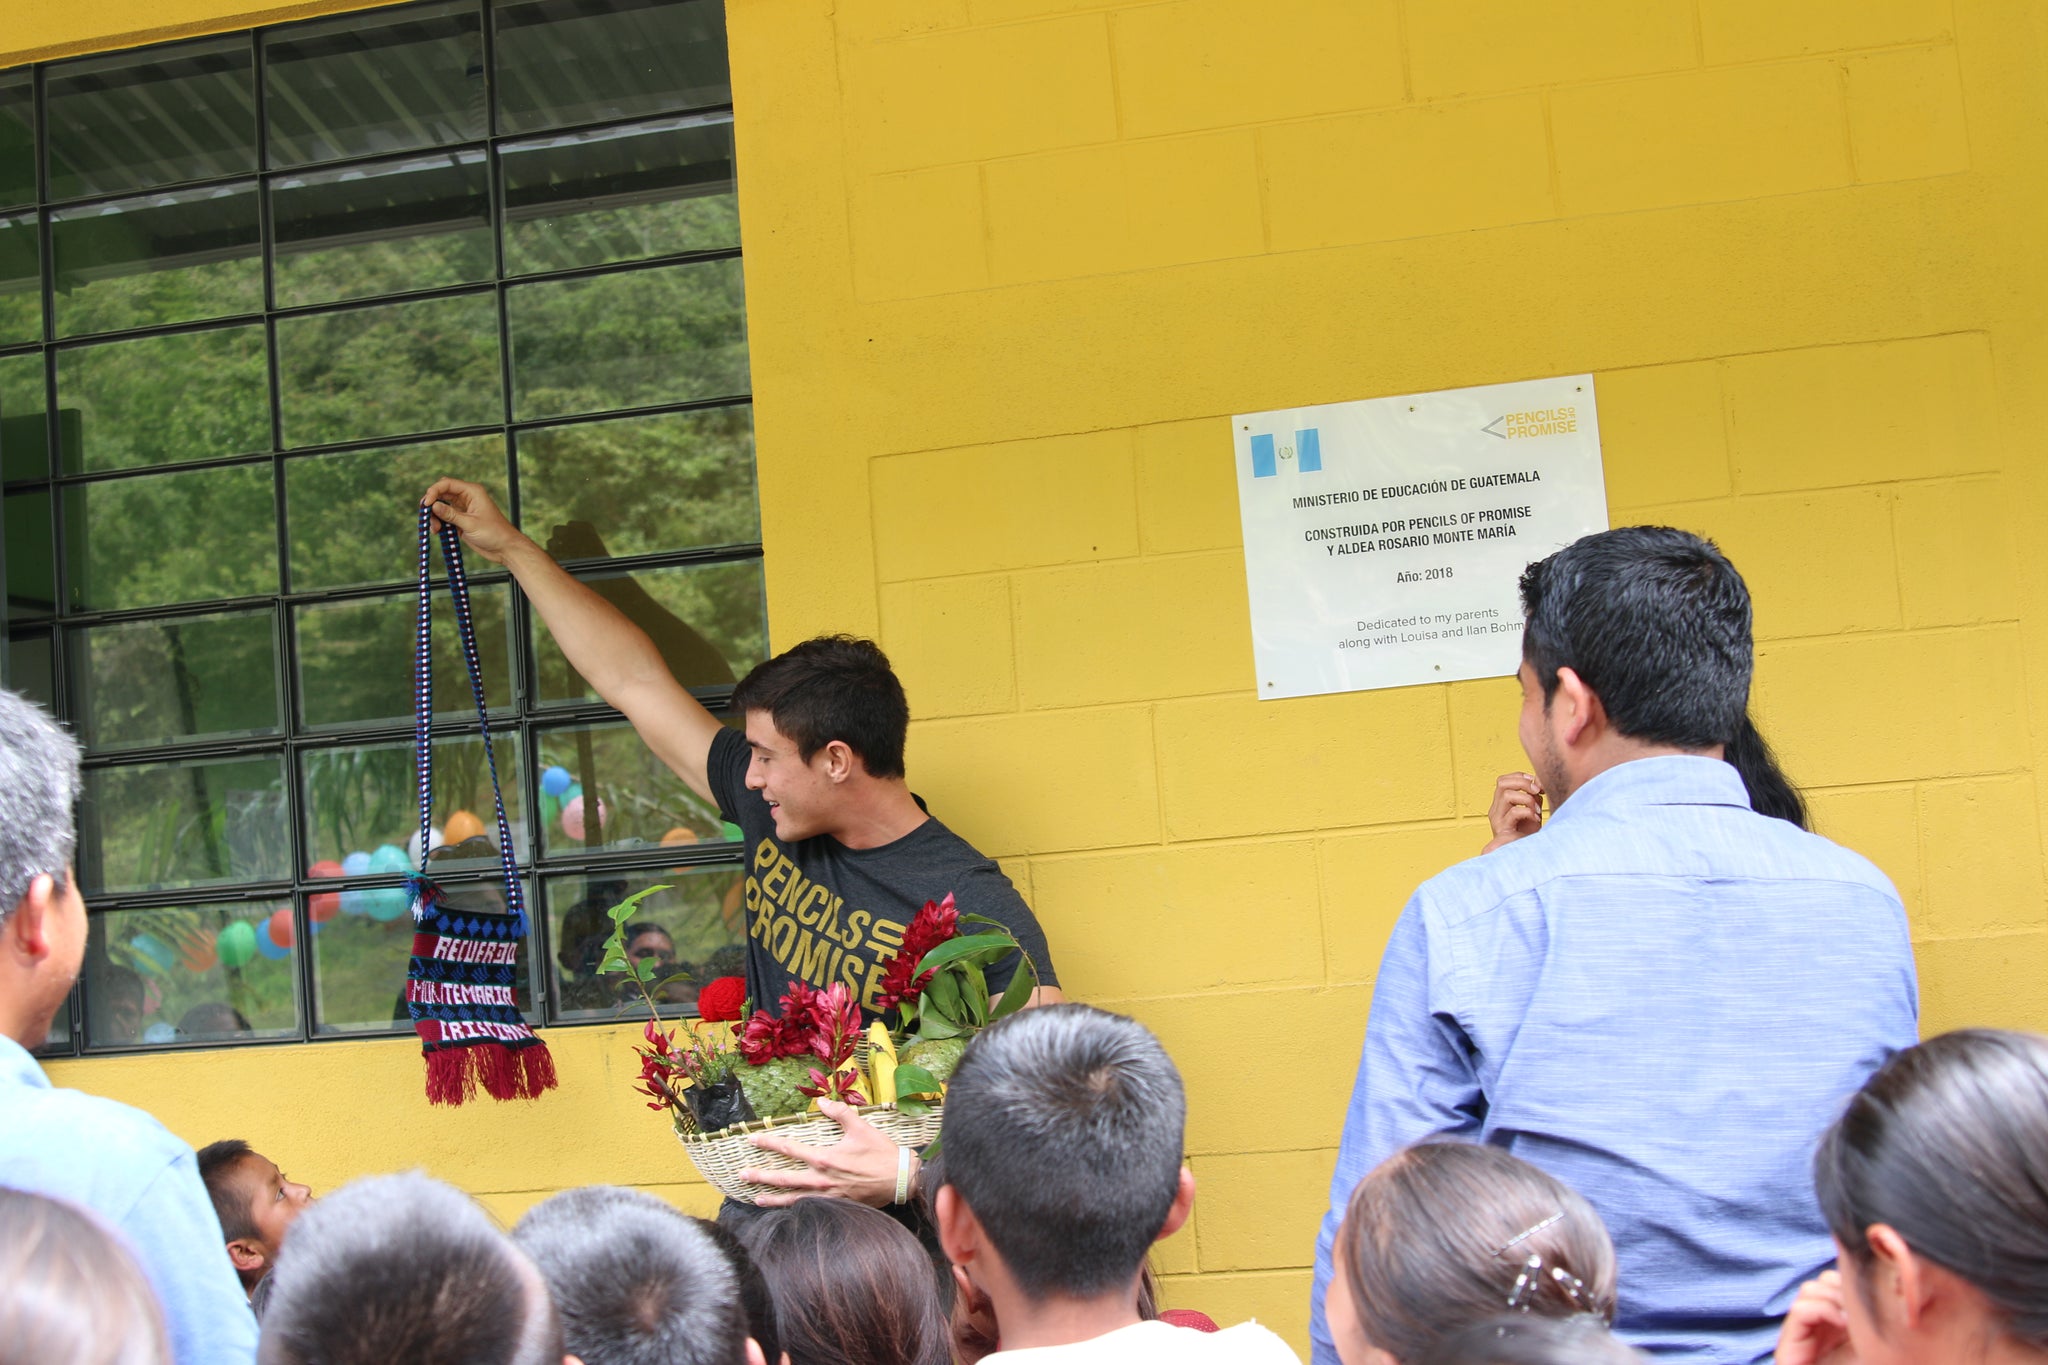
461,825
679,835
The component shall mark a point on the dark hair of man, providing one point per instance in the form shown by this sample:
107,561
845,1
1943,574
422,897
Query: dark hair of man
1524,1339
401,1267
1770,791
1063,1133
851,1286
217,1163
833,687
755,1300
1655,621
1437,1235
1947,1144
73,1292
635,1281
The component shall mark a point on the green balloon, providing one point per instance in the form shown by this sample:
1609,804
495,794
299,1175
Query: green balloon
236,944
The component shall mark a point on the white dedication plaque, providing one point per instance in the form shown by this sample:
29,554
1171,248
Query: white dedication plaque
1384,539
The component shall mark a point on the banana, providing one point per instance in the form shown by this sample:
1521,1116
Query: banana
881,1065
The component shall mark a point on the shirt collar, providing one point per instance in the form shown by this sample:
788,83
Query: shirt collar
18,1067
1666,780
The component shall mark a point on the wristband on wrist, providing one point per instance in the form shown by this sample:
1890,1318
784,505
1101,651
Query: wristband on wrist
902,1176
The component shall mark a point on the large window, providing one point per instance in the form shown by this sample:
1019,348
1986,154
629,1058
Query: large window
256,292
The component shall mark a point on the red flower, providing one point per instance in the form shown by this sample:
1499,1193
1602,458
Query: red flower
721,1000
659,1061
937,922
832,1042
767,1037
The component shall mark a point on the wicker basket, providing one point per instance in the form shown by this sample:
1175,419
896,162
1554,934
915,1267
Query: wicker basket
722,1155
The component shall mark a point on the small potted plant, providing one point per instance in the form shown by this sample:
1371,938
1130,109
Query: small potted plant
720,1082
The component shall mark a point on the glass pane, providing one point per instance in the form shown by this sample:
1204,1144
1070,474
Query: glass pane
708,621
620,194
57,1042
666,335
155,116
375,83
159,825
420,223
158,259
698,927
157,682
638,802
348,515
641,485
17,137
32,669
31,556
356,658
361,947
21,280
563,62
390,371
191,974
162,538
362,809
24,437
166,399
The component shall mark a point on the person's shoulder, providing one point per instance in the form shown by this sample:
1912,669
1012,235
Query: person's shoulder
1252,1343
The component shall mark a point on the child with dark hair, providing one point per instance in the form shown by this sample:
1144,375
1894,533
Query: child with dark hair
256,1205
1934,1182
1445,1234
755,1300
851,1286
1518,1340
1063,1165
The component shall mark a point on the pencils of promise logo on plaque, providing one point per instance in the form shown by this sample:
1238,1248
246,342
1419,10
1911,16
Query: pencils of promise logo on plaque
1384,539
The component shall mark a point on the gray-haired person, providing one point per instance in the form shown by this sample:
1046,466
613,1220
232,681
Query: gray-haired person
635,1281
117,1161
405,1268
1063,1142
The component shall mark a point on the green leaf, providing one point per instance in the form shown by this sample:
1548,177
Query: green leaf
943,994
623,911
915,1080
974,997
673,978
954,949
932,1026
995,924
916,1108
645,968
1019,991
613,962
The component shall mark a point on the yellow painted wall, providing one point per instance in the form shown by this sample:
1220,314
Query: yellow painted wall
1012,263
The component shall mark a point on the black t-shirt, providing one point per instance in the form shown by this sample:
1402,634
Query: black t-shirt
820,912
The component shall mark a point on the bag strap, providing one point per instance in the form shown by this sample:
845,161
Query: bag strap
423,706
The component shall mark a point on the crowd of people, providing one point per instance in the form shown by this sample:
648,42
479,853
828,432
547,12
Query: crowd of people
1641,1079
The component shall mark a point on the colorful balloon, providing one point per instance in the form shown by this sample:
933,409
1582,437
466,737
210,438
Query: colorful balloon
199,955
356,864
462,825
236,944
412,844
572,817
555,781
282,932
678,835
355,902
153,953
389,858
267,945
323,905
387,903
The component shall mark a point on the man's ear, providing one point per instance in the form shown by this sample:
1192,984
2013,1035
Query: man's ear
840,760
1897,1275
27,930
248,1254
960,1234
1575,708
754,1356
1183,1206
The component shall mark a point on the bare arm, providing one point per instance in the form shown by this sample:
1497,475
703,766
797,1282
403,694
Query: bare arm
612,653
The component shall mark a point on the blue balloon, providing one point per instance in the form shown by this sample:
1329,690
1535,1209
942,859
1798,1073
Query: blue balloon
356,902
267,945
555,780
389,858
155,952
355,864
160,1033
387,903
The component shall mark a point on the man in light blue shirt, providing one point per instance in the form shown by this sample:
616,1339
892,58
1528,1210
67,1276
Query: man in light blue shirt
119,1162
1662,997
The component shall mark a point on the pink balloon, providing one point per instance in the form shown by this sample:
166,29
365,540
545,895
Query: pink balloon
572,817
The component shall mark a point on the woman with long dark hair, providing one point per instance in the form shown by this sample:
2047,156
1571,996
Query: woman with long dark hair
1934,1182
851,1286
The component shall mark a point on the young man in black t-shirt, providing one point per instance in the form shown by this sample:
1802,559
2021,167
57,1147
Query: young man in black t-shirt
840,854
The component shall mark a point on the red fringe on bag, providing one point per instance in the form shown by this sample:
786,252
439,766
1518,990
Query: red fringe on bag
454,1074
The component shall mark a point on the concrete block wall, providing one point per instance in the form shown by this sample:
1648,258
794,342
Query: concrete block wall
1012,264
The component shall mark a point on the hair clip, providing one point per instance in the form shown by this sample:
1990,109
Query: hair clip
1526,1233
1530,1267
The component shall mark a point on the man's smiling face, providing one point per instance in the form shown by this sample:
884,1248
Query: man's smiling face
799,795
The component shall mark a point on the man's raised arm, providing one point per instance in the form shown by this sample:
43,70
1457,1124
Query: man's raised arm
613,655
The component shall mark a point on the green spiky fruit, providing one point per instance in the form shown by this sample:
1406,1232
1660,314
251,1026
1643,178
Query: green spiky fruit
771,1088
938,1056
